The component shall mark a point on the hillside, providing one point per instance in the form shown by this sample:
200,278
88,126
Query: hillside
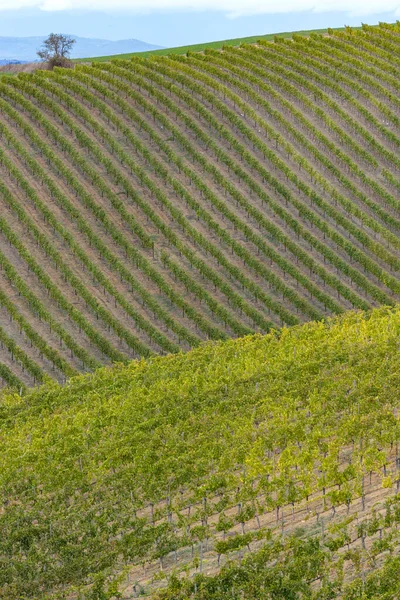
273,458
153,204
215,45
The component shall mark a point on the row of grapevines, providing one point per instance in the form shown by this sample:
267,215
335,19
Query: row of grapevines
250,60
160,224
10,379
77,285
17,353
93,335
374,65
135,256
311,216
375,46
238,223
36,339
222,409
99,276
365,240
377,49
94,240
275,231
317,135
342,93
179,218
312,567
304,76
191,285
209,195
366,82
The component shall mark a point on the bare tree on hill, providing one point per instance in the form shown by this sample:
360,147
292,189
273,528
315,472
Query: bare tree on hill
56,50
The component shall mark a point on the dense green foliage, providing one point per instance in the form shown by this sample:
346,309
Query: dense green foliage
167,203
213,450
301,563
153,204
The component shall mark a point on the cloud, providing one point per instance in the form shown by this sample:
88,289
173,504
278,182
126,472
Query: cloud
232,8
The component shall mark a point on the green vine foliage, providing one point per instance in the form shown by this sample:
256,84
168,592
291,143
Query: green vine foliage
153,204
208,455
170,204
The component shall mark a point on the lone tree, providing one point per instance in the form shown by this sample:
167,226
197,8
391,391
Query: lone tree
56,50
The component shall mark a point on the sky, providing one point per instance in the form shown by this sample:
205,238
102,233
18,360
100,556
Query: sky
179,22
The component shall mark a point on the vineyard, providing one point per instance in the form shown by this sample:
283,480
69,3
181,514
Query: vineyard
150,205
265,467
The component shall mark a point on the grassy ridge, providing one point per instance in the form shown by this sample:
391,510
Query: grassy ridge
121,470
208,45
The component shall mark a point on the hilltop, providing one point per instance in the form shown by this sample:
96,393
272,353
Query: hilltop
214,45
273,458
152,204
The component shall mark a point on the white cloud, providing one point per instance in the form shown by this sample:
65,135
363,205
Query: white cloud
233,8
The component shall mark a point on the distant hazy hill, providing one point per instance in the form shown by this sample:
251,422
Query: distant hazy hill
24,49
10,61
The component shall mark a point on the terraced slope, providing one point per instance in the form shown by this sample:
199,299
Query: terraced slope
273,458
152,204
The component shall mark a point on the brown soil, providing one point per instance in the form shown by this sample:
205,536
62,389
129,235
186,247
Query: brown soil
24,68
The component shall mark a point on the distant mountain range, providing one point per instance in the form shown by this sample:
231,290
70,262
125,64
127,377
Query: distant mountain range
9,61
23,49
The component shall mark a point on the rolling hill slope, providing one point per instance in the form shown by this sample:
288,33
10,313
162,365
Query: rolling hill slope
216,45
152,204
274,458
